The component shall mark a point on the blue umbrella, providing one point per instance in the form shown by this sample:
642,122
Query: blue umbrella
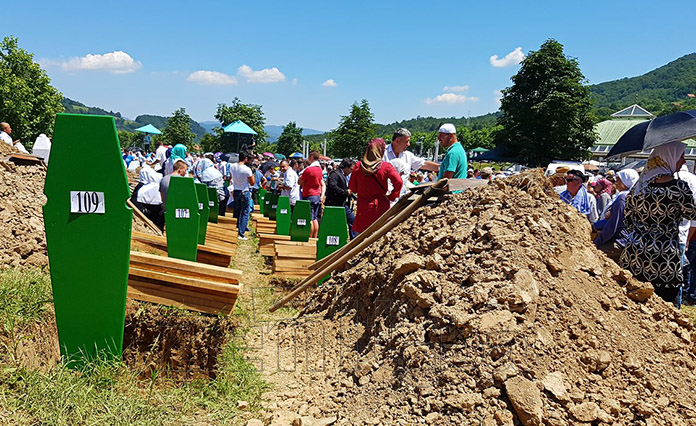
280,157
296,155
149,129
660,131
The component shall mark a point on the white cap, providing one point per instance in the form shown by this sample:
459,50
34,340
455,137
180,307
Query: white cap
447,128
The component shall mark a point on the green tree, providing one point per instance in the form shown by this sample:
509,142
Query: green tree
290,140
251,115
178,129
354,132
547,110
28,102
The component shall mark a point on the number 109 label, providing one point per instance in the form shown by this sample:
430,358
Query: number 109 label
86,202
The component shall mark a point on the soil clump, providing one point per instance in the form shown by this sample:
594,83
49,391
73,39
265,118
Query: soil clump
492,307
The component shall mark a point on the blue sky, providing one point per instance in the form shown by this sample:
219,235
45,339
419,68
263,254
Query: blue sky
308,61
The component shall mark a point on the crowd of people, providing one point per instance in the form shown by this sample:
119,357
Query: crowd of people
364,188
646,222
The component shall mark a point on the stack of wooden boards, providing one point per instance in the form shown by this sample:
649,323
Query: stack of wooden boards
291,259
176,282
263,224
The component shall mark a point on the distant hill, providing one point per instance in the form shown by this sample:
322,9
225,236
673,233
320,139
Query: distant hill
158,121
660,91
274,132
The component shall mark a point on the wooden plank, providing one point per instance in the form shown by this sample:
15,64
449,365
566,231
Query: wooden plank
172,301
185,265
162,242
148,248
291,263
190,282
158,286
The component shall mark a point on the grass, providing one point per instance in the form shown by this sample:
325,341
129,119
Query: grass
104,391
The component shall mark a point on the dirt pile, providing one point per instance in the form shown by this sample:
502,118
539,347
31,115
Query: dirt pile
22,240
493,308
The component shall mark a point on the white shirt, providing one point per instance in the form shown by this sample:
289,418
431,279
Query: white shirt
291,179
413,162
239,176
5,137
684,226
161,155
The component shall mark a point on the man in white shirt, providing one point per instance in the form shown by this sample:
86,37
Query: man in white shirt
290,187
160,157
397,150
241,179
5,131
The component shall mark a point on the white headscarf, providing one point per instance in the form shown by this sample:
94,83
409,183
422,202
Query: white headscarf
663,161
629,177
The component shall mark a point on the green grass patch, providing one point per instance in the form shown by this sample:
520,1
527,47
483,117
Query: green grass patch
110,392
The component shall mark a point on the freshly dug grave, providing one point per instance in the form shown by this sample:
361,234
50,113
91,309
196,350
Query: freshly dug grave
174,343
158,341
490,308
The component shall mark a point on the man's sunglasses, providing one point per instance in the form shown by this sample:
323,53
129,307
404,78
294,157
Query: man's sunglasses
572,179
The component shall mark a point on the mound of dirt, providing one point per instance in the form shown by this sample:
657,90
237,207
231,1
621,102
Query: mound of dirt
493,307
22,240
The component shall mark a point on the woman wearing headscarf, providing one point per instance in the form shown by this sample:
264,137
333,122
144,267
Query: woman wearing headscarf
654,208
613,224
177,153
149,199
370,181
205,171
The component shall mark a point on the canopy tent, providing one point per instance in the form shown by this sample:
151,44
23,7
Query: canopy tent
480,149
240,128
149,128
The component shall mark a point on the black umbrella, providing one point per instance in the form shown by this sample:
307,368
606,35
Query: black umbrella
660,131
230,157
268,165
630,142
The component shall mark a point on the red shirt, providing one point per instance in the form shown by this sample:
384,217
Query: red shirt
311,181
371,190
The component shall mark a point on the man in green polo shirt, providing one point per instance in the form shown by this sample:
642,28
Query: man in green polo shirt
454,165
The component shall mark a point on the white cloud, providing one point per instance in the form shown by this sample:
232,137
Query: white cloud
329,83
450,98
512,58
212,78
294,82
118,62
266,75
498,96
456,89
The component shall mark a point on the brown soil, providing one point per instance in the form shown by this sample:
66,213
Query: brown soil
492,307
22,240
173,343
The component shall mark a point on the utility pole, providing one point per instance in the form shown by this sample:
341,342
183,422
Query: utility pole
324,147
